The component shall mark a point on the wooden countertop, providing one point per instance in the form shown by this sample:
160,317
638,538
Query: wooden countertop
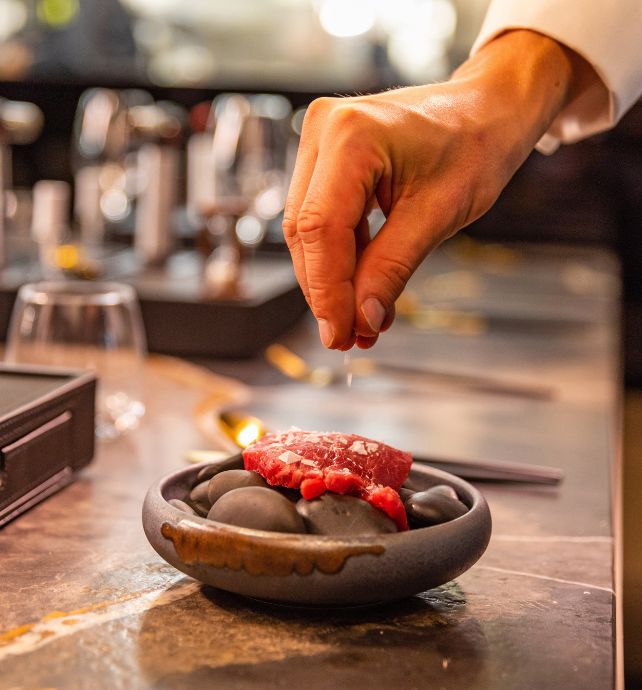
86,603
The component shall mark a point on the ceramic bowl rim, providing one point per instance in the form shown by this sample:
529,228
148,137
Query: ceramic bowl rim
473,499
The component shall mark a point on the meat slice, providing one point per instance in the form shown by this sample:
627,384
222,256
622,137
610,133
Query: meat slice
315,462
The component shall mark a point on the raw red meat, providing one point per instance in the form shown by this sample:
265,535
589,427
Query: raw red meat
315,462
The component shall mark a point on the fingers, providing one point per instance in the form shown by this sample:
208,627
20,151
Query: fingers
329,251
304,166
325,222
389,260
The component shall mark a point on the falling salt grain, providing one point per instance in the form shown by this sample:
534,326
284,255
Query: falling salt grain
445,662
346,366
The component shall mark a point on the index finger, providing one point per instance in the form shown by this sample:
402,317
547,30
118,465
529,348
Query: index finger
344,178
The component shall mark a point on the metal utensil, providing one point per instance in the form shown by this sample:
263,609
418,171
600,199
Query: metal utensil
296,368
479,470
244,429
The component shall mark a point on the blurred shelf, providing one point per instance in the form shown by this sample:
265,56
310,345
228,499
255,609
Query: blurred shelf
179,318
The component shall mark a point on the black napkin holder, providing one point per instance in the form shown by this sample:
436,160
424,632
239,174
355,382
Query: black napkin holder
46,433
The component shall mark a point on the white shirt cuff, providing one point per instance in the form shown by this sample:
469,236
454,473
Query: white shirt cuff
604,33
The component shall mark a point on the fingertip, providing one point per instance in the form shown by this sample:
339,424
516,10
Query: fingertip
390,317
374,313
330,340
349,344
326,333
365,342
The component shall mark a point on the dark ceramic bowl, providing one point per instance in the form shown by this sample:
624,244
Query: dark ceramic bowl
310,570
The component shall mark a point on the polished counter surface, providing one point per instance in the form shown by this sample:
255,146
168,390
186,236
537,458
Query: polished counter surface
86,603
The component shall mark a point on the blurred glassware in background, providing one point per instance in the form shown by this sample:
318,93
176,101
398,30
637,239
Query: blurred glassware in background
85,325
50,222
238,175
126,164
20,123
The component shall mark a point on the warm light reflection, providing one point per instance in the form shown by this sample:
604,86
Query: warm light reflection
249,230
419,37
67,256
13,17
114,204
418,57
344,18
435,17
241,428
248,434
57,13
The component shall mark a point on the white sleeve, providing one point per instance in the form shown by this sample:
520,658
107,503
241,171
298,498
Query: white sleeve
606,33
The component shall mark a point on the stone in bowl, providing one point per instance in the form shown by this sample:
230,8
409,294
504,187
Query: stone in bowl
316,570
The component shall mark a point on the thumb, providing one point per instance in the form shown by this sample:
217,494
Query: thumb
388,262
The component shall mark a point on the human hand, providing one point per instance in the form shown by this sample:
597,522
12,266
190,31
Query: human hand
434,158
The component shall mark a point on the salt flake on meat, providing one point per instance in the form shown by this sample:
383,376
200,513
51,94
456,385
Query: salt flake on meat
359,447
288,457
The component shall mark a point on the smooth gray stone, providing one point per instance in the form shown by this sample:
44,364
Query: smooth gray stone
398,565
257,507
405,493
430,507
181,505
343,515
226,481
198,498
235,462
445,490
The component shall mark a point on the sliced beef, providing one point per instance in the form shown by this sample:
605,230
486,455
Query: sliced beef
315,462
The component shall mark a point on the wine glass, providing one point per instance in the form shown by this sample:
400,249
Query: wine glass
250,163
85,325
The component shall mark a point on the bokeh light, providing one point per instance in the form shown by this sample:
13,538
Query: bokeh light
345,18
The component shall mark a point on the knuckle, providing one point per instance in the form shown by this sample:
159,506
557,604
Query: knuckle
398,273
311,222
318,108
349,118
289,223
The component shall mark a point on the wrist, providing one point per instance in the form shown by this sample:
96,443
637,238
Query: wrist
525,78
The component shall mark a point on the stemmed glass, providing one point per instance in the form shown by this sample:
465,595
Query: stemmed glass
85,325
251,157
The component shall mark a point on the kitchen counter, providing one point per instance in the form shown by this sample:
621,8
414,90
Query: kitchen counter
86,603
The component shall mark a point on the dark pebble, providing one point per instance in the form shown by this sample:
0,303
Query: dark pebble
198,498
256,507
405,493
181,505
226,481
343,515
430,507
410,485
444,490
235,462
